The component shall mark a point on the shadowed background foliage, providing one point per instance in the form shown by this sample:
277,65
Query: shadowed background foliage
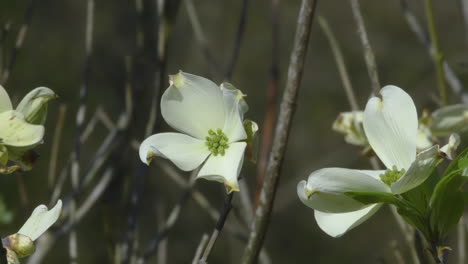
53,55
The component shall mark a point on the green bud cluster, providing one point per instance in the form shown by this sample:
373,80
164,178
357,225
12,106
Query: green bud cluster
217,142
392,175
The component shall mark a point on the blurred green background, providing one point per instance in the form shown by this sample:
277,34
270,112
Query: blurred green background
53,55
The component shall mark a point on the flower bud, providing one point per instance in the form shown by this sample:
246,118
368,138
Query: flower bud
449,119
350,125
22,245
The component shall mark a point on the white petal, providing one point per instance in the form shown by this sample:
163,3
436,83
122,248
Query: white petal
40,220
450,148
5,102
16,132
449,119
234,109
325,189
225,168
373,173
34,105
193,105
419,171
391,126
184,151
336,225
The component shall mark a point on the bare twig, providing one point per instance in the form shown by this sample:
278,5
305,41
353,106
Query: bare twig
286,113
368,53
438,56
227,206
55,144
461,241
169,223
271,100
452,79
80,117
238,40
200,37
28,14
339,59
200,248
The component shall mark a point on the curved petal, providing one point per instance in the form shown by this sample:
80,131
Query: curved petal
325,189
193,105
391,126
449,119
34,105
336,225
225,168
419,171
234,109
5,102
40,220
16,132
184,151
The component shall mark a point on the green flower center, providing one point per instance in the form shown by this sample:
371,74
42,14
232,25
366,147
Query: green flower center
217,142
392,175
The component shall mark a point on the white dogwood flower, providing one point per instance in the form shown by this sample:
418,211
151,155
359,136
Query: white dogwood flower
391,127
21,129
209,118
21,244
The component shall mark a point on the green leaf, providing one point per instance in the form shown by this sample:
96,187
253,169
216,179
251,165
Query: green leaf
447,203
376,197
420,196
3,155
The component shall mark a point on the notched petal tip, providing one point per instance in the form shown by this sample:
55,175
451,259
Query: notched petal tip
150,156
231,187
177,80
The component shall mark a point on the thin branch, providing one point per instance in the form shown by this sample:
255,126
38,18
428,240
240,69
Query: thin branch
200,37
80,117
55,144
452,79
271,100
152,246
286,113
200,248
339,59
227,206
28,14
238,40
461,241
368,53
438,56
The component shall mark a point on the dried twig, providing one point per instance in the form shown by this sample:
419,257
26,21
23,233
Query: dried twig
286,113
271,100
368,53
28,14
438,56
55,145
80,117
238,40
339,59
452,79
200,248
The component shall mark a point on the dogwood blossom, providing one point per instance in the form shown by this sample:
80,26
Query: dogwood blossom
391,126
21,244
209,118
22,129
